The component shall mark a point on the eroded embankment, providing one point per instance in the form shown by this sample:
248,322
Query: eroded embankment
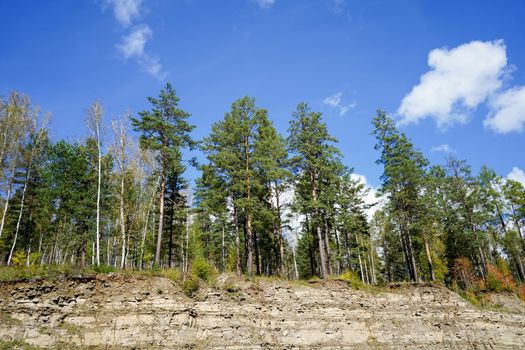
152,312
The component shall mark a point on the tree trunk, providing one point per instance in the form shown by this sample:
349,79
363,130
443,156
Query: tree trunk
348,253
282,269
170,244
366,271
122,223
28,257
19,216
338,252
237,242
411,257
322,257
99,170
327,247
257,257
518,227
161,220
6,204
222,251
310,247
249,233
187,238
429,259
361,267
404,246
372,267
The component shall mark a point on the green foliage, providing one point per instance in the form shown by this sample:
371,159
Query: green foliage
202,269
402,182
173,274
19,258
190,286
499,279
441,223
103,268
16,345
230,287
38,272
352,278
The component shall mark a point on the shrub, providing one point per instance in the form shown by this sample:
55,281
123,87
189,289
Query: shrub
190,286
472,298
232,288
172,274
202,269
352,279
498,280
103,268
463,274
521,292
19,258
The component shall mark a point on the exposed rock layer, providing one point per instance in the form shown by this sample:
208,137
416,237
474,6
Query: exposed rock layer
147,313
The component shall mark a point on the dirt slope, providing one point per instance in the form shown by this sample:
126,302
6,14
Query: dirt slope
116,312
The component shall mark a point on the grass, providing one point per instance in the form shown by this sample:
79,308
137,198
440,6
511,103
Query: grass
6,318
16,345
25,273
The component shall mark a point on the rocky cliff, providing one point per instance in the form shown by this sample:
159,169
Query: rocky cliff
117,312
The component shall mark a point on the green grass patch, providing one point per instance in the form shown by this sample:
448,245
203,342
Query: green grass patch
16,345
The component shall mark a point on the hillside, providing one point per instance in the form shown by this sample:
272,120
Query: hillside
143,312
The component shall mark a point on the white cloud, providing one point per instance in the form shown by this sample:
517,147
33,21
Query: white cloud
344,109
265,4
443,148
517,175
334,101
125,11
132,45
152,66
507,111
458,81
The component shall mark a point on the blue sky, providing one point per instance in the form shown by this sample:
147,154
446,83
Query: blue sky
451,72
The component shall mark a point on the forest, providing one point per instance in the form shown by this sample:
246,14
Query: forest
264,204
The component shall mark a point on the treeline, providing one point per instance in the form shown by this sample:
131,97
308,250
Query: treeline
264,204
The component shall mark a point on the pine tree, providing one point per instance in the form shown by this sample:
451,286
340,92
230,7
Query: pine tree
230,149
402,179
165,130
316,162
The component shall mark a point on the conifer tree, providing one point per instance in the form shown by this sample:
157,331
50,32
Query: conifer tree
402,179
165,130
316,162
230,149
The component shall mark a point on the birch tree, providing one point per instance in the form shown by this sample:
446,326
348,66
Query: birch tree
119,149
94,122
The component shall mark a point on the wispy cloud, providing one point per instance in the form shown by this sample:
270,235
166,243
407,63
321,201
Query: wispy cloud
125,11
443,148
133,43
334,102
152,66
265,4
338,6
